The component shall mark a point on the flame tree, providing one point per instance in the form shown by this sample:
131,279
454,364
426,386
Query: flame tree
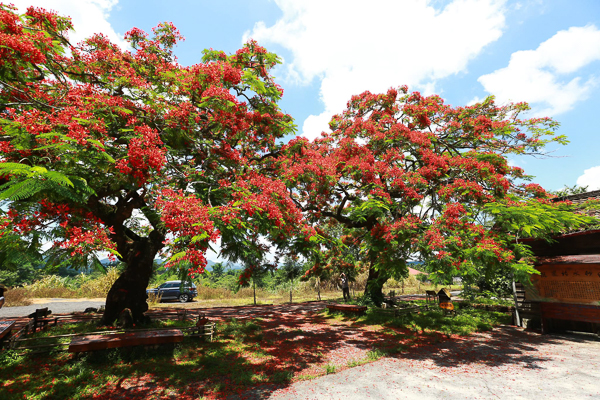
126,151
410,176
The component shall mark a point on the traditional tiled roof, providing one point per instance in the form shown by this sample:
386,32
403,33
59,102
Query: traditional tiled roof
577,243
581,198
412,271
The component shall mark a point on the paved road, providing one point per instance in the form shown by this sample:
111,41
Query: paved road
506,364
58,306
64,306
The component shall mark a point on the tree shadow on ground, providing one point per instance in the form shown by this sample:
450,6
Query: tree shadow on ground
506,345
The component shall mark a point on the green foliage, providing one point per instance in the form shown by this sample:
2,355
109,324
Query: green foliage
529,219
570,190
20,260
218,270
533,219
466,321
492,298
239,330
291,269
375,354
27,181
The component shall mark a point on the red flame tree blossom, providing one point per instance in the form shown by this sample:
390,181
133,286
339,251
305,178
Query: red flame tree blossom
128,151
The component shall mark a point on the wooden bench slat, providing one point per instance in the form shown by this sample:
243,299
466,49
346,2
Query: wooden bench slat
111,341
6,328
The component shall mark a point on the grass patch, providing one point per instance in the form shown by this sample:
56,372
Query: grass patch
375,355
464,323
240,330
17,297
330,369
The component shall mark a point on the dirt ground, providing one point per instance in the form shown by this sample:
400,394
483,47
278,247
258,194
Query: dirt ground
507,363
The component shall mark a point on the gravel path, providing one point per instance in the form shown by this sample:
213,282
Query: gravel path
507,363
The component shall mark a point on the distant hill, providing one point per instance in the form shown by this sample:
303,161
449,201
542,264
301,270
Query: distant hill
209,263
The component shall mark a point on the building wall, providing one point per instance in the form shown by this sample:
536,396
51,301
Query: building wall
566,283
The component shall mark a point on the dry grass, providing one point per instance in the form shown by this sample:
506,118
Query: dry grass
85,286
153,299
98,287
17,297
245,298
53,286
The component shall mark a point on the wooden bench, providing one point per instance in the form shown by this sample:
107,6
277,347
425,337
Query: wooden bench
430,295
204,328
111,341
41,320
5,328
351,308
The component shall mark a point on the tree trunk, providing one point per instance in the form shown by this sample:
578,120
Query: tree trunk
374,286
254,287
319,288
129,290
514,290
291,285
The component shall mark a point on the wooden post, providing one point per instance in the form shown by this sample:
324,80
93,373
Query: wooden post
514,288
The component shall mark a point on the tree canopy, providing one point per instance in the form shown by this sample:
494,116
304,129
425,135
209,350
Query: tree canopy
130,152
410,176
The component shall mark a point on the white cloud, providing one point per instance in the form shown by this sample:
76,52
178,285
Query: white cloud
590,178
88,16
543,77
352,47
474,100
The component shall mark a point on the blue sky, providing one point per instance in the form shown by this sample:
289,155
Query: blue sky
543,52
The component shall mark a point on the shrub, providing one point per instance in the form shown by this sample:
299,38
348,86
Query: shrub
330,369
